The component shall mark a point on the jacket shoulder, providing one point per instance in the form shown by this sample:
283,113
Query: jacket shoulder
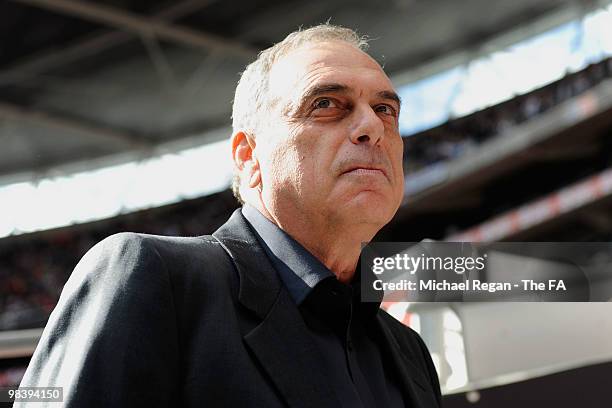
413,348
132,243
405,335
133,251
115,313
181,264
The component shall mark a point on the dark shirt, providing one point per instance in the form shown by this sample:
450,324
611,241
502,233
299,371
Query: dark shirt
341,325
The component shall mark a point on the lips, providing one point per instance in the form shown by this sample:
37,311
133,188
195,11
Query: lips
366,169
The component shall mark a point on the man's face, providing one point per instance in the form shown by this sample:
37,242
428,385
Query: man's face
331,148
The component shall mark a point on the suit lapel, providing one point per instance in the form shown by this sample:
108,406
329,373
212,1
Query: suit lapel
415,387
284,347
281,342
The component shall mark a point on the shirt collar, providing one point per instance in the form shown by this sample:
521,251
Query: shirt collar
299,270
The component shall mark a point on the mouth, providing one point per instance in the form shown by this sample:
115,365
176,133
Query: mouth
366,170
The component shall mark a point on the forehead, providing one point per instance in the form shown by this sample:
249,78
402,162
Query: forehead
334,62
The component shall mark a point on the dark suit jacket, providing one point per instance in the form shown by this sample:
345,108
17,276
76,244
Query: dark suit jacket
150,321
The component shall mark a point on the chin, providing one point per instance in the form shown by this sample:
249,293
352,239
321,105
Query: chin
371,207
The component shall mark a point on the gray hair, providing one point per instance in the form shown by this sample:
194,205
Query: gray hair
251,97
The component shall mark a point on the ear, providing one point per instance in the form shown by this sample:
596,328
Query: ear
245,160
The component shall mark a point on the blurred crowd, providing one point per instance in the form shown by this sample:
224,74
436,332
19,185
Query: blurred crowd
34,267
11,377
456,137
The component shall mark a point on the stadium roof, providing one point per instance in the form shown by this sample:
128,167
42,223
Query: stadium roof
89,79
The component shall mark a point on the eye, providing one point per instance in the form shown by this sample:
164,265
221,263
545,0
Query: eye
386,109
324,103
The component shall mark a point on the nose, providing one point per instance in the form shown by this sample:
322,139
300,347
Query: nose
367,127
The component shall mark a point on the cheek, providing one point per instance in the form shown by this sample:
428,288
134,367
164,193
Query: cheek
301,163
287,170
318,158
399,163
396,155
283,168
312,155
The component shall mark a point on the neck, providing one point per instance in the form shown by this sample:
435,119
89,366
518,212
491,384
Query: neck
336,244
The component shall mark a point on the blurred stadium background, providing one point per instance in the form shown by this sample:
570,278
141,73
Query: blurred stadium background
114,116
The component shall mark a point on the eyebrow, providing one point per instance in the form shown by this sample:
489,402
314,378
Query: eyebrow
323,89
390,95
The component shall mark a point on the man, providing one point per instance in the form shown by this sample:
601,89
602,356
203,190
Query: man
266,312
